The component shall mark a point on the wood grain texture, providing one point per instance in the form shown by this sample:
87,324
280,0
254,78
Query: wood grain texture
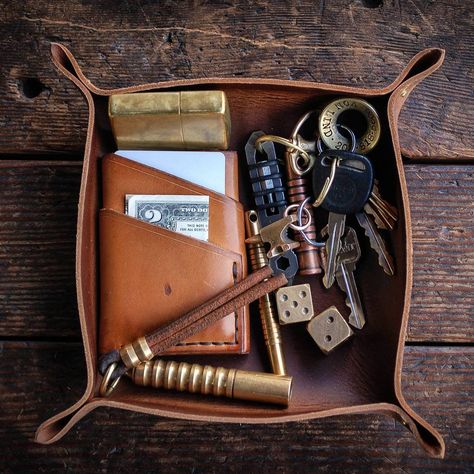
38,206
124,43
38,379
38,211
442,207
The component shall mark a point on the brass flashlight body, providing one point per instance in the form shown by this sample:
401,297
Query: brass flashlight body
217,381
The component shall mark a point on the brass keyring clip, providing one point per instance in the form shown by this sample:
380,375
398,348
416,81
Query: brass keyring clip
327,184
301,161
298,168
289,144
335,163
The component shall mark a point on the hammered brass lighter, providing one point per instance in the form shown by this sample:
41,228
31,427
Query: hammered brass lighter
182,120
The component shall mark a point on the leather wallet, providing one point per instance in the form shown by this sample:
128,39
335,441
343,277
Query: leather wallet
364,376
149,276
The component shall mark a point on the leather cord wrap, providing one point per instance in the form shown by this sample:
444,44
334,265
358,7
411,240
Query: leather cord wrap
205,315
249,289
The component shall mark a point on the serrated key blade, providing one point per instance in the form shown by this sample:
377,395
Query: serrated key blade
336,226
392,211
376,243
346,281
380,220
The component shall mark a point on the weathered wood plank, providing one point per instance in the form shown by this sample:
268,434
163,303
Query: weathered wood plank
442,207
38,379
38,206
38,210
319,41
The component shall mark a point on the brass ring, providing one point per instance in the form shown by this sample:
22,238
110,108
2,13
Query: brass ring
319,143
295,138
105,390
312,242
300,123
296,167
327,184
290,145
331,135
299,227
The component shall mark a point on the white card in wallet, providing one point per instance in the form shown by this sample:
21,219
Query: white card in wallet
204,168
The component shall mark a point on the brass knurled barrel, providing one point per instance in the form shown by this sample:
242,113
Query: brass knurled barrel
298,189
217,381
268,313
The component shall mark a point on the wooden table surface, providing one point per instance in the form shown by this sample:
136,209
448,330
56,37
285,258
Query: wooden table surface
43,120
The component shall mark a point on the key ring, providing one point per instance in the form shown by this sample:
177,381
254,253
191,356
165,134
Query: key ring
298,140
310,241
300,227
290,145
105,389
335,163
319,143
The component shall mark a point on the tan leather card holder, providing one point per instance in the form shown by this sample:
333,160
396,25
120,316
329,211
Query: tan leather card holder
149,276
121,176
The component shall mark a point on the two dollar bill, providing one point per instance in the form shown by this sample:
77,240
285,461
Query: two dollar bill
186,214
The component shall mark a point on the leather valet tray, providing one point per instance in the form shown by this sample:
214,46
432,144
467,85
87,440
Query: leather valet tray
361,377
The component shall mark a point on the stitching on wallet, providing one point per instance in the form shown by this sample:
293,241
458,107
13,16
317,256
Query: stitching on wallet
235,341
236,328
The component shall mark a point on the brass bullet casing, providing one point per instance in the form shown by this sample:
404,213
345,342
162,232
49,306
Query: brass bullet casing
217,381
184,120
268,314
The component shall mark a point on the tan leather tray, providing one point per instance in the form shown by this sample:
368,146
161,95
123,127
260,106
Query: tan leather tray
362,377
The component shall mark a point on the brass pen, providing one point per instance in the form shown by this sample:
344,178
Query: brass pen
268,313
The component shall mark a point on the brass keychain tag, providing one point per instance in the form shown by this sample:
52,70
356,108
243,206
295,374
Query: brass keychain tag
330,118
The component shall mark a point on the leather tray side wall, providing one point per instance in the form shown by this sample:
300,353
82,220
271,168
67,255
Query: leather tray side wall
291,94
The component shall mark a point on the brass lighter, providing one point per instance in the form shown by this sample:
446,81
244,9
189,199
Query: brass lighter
184,120
217,381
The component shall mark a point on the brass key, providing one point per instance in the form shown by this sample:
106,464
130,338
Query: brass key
384,214
348,257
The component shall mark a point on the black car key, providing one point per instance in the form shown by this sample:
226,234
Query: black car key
348,193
